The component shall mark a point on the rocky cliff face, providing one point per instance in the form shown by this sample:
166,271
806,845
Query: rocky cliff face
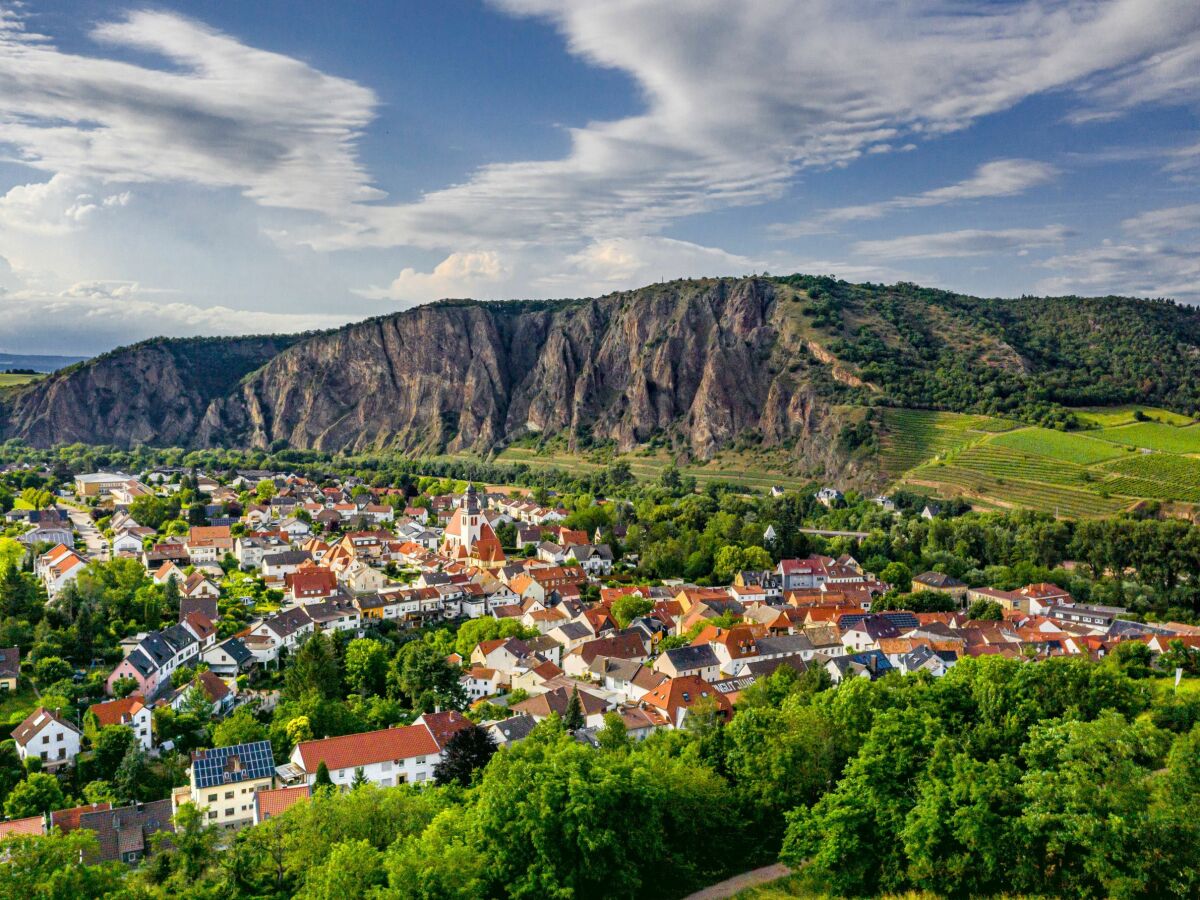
155,392
697,364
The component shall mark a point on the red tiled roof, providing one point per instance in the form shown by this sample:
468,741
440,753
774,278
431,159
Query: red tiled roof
354,750
116,712
444,725
280,800
31,825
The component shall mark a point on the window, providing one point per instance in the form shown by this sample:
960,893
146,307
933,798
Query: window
212,798
229,795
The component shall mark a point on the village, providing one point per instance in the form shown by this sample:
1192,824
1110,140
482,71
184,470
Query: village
580,636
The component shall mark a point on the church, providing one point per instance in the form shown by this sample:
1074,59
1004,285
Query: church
469,538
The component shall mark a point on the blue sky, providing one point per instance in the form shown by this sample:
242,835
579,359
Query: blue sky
217,168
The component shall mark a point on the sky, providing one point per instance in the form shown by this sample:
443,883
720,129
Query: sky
224,168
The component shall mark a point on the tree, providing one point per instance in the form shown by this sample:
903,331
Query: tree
573,718
108,750
124,686
614,736
39,793
359,780
239,728
422,676
50,669
322,779
366,667
314,669
628,607
467,751
131,780
48,866
11,769
265,490
985,610
354,869
731,559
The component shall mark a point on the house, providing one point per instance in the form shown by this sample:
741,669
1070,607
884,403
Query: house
284,562
95,484
154,657
1008,600
676,697
406,754
128,711
1036,599
1098,617
512,730
557,701
10,668
595,559
204,606
873,664
166,572
45,735
224,780
276,801
629,678
123,835
829,497
200,585
66,820
700,660
310,585
229,658
209,543
57,567
220,695
619,645
940,583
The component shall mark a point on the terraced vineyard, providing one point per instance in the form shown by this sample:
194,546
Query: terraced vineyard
913,436
1155,436
1160,476
1016,491
1081,473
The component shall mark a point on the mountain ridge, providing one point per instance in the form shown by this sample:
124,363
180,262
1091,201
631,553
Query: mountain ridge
696,366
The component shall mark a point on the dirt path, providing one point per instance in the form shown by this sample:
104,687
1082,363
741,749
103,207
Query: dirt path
738,883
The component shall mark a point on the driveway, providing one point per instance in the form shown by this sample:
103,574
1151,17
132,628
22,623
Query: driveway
731,887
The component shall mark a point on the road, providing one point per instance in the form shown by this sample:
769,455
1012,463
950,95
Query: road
825,533
731,887
93,540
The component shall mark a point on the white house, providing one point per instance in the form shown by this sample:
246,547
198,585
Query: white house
47,736
390,756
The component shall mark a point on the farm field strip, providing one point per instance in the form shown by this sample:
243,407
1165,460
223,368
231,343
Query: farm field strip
1072,447
1029,494
1154,436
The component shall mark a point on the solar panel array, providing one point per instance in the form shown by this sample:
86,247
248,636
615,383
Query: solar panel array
213,767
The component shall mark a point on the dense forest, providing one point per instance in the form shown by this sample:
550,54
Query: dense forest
1065,778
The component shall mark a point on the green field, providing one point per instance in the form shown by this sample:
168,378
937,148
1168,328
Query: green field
1015,491
7,380
1109,417
1071,447
1155,436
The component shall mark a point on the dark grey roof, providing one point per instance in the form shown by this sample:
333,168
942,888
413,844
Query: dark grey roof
287,558
761,668
785,643
693,657
239,652
127,829
142,663
229,765
515,728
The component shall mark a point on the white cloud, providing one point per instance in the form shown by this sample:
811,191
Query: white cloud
998,178
473,274
89,317
967,242
1156,258
741,97
53,208
221,114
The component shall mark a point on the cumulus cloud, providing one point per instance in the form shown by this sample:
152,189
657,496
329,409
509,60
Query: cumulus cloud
967,242
89,317
472,274
53,208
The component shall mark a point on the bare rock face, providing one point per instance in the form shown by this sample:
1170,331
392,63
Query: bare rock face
156,392
685,360
698,364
